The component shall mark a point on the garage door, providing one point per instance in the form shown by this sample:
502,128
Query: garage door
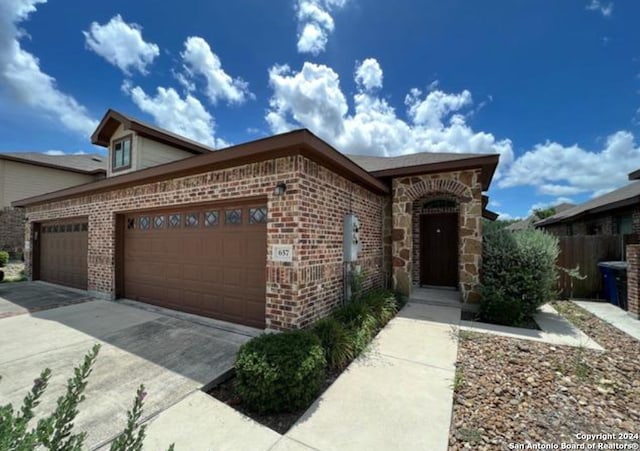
207,260
63,253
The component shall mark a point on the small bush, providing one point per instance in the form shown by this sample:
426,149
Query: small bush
498,308
280,372
337,342
4,258
359,320
519,266
55,431
383,305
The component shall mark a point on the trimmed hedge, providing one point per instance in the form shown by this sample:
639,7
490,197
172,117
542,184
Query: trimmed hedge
284,372
518,274
280,372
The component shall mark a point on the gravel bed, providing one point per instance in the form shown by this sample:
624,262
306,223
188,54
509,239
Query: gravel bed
510,391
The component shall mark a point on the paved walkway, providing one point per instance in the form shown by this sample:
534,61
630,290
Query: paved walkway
397,396
555,329
613,315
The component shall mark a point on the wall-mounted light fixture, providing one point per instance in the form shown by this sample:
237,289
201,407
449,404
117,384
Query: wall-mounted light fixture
281,187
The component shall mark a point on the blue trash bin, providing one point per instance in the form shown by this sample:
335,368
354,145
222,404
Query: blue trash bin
609,289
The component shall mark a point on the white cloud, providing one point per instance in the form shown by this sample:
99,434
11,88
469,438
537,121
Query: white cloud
121,44
315,24
199,59
506,216
369,74
184,116
21,76
559,170
494,203
313,98
601,7
62,152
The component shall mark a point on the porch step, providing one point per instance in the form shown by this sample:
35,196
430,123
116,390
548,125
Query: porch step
440,297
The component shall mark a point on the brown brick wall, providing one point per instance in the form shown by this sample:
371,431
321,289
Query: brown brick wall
297,292
325,199
12,231
633,279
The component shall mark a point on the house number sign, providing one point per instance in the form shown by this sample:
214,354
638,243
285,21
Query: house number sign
282,253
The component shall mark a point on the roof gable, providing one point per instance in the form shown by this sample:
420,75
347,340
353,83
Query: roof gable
113,119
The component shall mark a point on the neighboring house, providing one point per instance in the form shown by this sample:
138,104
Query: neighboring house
615,213
26,174
529,222
253,233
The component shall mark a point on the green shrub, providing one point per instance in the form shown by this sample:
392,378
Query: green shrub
280,372
520,266
337,342
54,431
4,258
498,308
360,322
383,305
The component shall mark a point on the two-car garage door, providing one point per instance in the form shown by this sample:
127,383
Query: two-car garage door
208,260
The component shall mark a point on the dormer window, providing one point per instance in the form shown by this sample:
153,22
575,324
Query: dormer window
121,154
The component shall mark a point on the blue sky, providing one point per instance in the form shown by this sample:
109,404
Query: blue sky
552,86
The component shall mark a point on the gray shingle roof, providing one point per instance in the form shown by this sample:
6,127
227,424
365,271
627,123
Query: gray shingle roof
90,163
609,201
373,164
527,223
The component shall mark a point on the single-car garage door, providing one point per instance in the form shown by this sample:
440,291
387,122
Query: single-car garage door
207,260
63,252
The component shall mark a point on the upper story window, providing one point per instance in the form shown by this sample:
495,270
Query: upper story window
121,154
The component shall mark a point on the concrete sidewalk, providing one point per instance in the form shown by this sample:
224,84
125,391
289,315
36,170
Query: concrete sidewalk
397,396
615,316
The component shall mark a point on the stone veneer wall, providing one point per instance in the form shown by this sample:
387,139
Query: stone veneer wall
466,188
12,230
296,293
633,280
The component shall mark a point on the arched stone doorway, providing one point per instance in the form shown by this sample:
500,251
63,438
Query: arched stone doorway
460,203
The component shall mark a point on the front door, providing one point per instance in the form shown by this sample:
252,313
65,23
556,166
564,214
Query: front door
439,249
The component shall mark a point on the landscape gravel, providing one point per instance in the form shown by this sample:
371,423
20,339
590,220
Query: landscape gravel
511,393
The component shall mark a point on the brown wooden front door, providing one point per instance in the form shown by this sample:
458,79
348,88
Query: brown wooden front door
207,260
439,249
63,252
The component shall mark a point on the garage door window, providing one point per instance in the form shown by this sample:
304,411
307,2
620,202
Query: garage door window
174,221
145,223
210,218
258,215
158,222
191,220
233,217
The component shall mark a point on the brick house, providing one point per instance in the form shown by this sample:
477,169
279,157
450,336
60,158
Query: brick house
253,233
615,213
24,174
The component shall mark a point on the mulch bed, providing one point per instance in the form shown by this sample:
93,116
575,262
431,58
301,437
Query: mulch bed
280,422
511,391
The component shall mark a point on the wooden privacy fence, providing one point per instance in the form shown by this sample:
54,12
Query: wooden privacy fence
586,251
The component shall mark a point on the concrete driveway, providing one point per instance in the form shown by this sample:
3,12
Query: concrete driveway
169,353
